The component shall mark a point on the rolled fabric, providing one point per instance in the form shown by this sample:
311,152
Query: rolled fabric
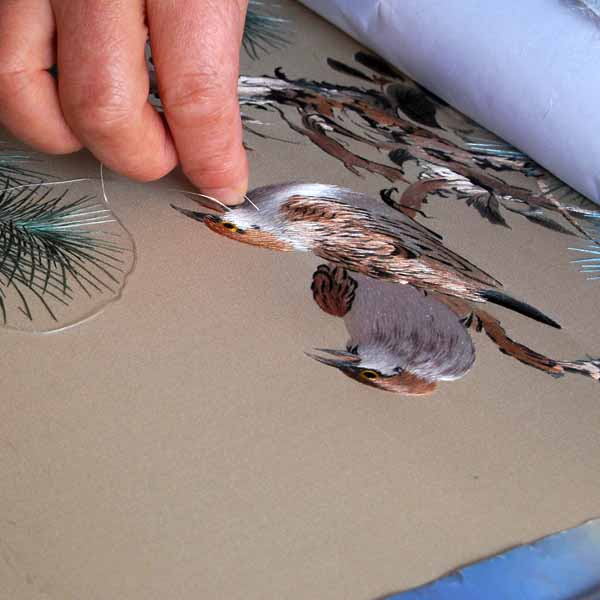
528,71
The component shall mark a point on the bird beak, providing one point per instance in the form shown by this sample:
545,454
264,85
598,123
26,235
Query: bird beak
204,202
207,202
339,354
193,214
341,359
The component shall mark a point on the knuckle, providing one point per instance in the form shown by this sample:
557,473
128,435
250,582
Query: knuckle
12,83
11,60
103,109
8,64
200,96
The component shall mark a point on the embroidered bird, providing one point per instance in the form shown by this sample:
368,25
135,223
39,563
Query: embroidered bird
401,339
348,229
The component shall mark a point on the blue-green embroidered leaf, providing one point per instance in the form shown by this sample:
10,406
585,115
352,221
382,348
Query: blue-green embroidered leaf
264,31
61,257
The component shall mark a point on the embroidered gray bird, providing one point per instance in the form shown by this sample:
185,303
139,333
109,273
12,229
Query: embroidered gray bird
402,340
349,229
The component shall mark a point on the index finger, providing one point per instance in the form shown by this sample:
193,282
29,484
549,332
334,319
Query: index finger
195,48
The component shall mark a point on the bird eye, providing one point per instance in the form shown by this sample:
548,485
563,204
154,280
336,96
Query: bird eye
369,374
229,226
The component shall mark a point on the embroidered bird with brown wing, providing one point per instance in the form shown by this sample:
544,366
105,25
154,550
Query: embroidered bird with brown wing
406,341
349,229
402,340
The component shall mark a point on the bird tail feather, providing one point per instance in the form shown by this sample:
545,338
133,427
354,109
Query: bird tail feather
501,299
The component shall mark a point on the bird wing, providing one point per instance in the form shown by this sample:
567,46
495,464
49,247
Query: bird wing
422,243
333,290
341,223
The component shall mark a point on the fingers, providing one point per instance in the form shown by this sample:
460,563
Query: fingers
29,106
103,85
195,47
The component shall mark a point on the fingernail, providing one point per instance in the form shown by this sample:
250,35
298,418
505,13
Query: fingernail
228,195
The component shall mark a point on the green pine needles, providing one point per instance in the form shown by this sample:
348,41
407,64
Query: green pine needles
53,250
263,31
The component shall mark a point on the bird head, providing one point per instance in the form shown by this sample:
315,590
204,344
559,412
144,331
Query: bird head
244,223
353,366
260,221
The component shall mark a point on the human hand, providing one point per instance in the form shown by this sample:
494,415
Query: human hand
101,98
